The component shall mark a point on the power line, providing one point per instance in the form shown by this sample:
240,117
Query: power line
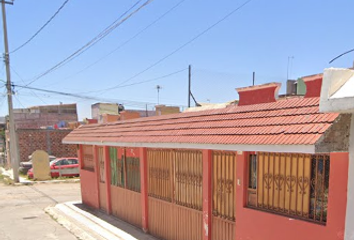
352,50
86,97
95,40
18,75
18,100
34,35
146,81
130,39
179,48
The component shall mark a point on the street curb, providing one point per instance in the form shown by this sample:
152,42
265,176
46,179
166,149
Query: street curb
78,232
47,182
28,182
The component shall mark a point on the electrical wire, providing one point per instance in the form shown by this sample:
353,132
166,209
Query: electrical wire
18,75
179,48
86,97
95,40
34,35
146,81
18,100
129,40
352,50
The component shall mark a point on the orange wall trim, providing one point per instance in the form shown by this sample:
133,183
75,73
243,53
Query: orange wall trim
257,225
144,190
207,213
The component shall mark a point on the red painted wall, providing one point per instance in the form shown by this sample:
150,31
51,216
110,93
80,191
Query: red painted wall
313,87
258,94
89,186
257,225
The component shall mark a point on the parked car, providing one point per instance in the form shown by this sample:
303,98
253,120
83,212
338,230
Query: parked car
62,167
25,166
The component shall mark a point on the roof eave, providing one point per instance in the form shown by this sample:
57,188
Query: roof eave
310,149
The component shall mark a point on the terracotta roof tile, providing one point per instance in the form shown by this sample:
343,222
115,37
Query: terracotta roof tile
285,122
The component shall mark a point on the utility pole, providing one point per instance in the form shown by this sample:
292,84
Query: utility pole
189,85
13,139
158,87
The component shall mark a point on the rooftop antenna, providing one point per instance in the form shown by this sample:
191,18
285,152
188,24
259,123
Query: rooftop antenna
290,59
158,87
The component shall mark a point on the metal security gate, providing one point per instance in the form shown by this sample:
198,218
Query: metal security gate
175,194
224,195
102,179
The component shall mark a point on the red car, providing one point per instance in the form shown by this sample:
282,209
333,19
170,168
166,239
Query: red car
62,167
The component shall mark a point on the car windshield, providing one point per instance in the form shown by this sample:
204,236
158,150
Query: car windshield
52,162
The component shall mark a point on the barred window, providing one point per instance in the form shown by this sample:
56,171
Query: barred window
290,184
88,161
125,171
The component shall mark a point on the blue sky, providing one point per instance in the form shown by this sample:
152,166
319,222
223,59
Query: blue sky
259,37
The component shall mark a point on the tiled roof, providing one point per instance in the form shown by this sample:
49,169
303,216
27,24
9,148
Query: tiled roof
293,121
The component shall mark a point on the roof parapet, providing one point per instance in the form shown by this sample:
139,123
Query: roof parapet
264,93
313,85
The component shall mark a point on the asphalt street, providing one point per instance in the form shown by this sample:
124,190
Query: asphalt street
22,215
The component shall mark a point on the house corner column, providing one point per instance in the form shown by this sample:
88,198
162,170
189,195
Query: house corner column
207,211
107,167
144,190
349,219
97,172
80,156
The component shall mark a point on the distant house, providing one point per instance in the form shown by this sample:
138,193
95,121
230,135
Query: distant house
43,128
264,169
45,116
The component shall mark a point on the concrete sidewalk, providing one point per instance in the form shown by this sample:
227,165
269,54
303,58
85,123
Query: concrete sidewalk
90,224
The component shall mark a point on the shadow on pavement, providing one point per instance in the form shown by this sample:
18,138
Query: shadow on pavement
134,231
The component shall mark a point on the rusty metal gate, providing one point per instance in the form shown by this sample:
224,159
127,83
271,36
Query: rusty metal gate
102,179
224,195
175,194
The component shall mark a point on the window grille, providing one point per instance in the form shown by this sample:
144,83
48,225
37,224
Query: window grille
125,171
88,161
290,184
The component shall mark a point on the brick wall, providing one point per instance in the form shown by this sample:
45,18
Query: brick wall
31,140
37,120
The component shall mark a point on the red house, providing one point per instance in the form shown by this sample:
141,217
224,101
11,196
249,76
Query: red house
265,169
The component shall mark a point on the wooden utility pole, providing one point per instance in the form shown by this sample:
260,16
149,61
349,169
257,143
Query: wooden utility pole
13,139
189,85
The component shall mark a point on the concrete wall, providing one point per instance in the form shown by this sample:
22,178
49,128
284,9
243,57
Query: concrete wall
349,223
31,140
89,188
164,110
